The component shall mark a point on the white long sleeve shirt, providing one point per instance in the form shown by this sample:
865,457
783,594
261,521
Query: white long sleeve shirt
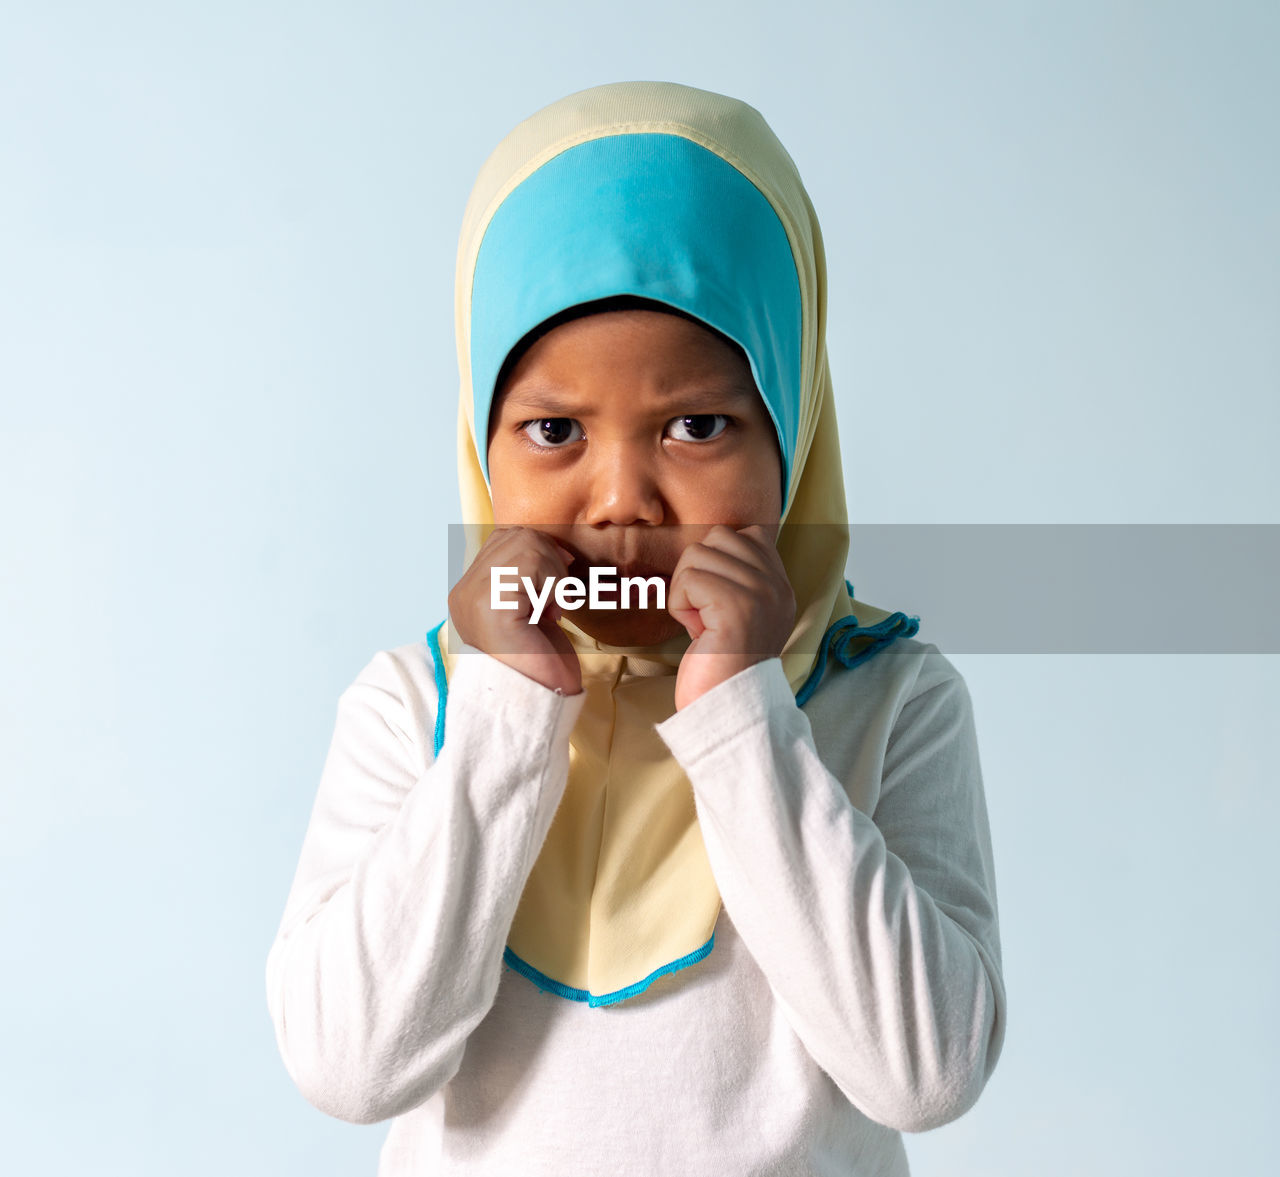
854,990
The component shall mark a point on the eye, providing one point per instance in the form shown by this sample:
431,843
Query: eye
552,432
698,426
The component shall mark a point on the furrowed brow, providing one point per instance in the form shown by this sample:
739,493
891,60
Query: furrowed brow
706,397
545,402
551,401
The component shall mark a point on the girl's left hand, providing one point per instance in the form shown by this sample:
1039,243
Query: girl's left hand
731,592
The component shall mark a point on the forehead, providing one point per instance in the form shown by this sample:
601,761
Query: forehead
656,358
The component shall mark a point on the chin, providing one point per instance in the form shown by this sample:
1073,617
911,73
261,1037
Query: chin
631,628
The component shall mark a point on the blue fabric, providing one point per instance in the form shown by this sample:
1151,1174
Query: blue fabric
442,684
546,983
839,637
653,215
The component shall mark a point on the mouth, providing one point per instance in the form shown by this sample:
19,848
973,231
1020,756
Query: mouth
643,570
581,567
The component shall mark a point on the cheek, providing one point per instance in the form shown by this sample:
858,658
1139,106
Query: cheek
762,473
508,503
508,490
502,490
746,493
522,494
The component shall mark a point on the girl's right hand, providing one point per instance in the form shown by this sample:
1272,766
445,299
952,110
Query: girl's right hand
541,652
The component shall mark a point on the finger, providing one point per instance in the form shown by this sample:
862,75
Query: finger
764,539
691,619
752,544
533,552
747,569
681,605
534,562
530,539
707,592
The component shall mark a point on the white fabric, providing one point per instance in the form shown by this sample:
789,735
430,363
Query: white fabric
854,990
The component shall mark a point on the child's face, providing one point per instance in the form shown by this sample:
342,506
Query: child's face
626,435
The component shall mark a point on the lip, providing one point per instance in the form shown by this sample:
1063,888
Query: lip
645,570
581,568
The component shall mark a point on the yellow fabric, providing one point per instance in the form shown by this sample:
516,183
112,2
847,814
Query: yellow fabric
622,887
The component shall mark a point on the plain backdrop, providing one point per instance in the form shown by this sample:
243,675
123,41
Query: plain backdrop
227,239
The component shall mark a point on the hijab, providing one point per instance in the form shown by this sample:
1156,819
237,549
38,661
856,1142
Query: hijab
684,198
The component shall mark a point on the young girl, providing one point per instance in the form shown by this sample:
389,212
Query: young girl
699,887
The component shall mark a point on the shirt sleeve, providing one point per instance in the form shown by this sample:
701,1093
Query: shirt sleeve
390,949
878,936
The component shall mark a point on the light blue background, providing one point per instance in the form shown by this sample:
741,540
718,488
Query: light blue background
227,239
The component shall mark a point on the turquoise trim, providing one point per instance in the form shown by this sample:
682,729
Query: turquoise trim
442,683
838,637
546,983
649,214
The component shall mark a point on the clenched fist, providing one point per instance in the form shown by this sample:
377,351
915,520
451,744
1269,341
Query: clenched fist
541,652
731,592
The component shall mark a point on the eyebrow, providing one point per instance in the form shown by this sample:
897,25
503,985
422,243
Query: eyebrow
550,400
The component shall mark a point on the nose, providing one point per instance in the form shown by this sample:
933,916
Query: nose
624,489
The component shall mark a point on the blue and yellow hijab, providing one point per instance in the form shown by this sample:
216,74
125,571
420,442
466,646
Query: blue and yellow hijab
686,198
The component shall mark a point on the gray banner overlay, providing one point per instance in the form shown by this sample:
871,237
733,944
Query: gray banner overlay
1076,588
1067,588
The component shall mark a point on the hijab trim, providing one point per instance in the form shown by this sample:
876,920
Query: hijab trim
442,684
555,987
839,640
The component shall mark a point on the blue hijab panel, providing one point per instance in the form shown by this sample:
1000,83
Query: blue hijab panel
653,215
